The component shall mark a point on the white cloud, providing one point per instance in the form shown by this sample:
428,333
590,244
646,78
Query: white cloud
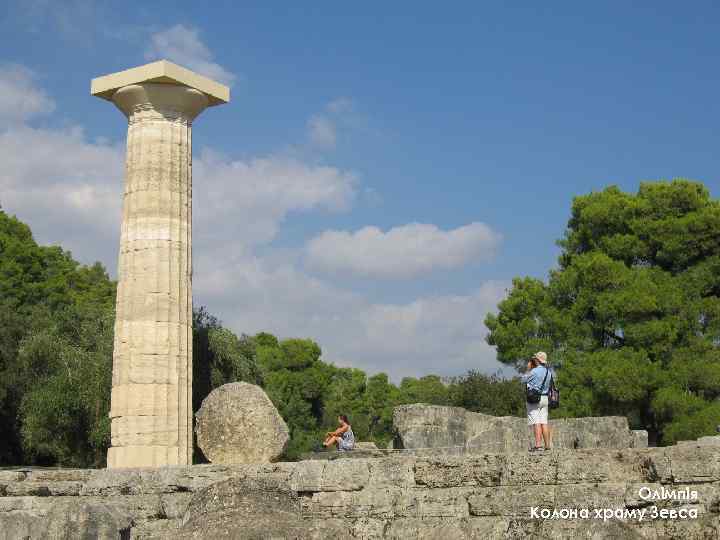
321,131
431,334
244,202
444,335
70,191
20,98
183,45
401,252
434,334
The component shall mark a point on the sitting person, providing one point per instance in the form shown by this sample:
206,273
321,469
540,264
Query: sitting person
342,436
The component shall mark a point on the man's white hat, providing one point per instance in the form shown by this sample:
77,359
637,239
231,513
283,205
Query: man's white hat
540,357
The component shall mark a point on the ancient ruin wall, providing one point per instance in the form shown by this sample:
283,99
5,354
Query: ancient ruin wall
421,426
481,496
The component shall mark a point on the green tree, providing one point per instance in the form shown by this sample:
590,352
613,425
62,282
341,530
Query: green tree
55,351
488,394
428,389
67,369
297,381
632,314
381,397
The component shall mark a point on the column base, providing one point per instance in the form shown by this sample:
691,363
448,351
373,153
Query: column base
120,457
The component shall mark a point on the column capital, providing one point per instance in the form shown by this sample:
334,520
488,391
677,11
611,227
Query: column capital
163,85
170,101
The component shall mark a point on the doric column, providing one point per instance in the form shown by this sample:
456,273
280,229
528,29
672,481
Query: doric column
151,403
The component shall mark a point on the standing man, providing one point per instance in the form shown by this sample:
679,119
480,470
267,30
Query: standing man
538,377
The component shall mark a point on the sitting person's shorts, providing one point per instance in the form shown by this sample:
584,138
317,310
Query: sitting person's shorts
345,445
537,413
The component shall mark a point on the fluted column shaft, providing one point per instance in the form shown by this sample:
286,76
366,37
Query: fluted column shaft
151,403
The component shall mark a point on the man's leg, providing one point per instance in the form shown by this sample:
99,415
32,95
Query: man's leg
546,435
537,429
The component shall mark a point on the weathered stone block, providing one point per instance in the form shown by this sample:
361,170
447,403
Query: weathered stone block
536,468
457,430
44,489
485,470
345,476
587,466
392,472
512,501
12,476
690,465
237,423
640,438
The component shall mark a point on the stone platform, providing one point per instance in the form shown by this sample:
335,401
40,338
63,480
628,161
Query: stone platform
479,496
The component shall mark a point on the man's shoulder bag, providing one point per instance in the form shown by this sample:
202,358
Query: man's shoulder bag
553,395
533,396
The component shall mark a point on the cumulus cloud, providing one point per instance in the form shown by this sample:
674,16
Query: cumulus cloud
435,334
20,98
432,334
246,201
183,45
69,189
401,252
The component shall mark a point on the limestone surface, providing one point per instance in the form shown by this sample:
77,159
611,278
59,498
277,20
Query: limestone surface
237,423
457,430
257,508
482,496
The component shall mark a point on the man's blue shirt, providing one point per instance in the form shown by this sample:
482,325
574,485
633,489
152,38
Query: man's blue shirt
534,379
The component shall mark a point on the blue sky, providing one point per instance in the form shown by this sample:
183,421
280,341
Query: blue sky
348,127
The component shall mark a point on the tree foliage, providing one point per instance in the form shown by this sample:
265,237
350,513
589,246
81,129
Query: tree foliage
633,311
55,352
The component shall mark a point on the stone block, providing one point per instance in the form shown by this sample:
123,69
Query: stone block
59,475
174,505
12,476
526,468
510,501
691,465
307,476
457,431
640,438
484,470
392,472
144,456
237,423
345,476
59,488
584,466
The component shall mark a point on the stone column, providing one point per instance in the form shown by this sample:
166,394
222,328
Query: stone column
151,403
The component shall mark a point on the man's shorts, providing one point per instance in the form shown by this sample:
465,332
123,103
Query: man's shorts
537,413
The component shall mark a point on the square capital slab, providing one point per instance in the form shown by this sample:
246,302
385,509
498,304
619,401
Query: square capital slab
164,72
